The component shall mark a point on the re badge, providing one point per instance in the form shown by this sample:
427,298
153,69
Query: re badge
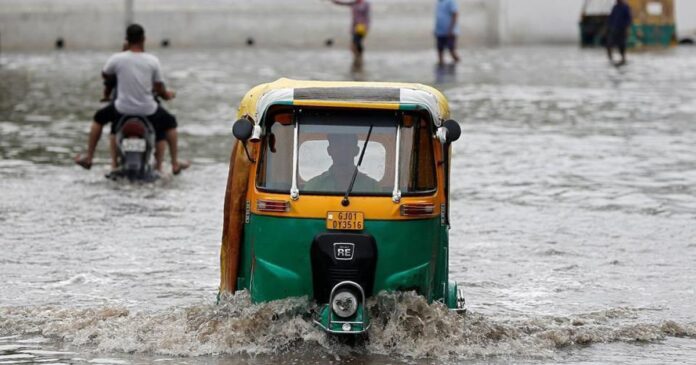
343,251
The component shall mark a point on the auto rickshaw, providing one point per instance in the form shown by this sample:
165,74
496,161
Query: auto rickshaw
338,191
654,23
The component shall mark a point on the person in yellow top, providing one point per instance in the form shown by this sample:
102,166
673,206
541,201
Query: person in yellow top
342,148
358,29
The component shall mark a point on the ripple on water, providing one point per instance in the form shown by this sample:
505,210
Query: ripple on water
598,161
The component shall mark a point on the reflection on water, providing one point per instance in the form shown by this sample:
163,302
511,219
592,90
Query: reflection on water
573,218
445,74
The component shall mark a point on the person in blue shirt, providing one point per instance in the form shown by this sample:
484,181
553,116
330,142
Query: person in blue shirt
446,30
618,24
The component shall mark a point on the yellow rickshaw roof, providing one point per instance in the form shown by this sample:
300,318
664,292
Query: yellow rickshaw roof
346,94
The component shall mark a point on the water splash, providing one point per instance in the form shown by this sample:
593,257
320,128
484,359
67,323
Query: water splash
404,326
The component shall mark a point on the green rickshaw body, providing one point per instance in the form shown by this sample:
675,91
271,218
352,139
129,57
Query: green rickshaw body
416,252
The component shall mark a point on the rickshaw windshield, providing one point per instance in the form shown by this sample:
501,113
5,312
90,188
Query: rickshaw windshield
329,144
329,148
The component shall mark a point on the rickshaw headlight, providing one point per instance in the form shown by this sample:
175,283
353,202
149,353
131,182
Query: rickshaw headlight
344,304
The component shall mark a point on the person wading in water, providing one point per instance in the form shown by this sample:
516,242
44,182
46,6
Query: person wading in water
446,29
619,21
359,28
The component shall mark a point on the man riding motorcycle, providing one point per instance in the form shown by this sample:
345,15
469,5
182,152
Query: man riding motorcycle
138,75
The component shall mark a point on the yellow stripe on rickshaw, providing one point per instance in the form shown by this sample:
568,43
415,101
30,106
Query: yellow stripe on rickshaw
316,206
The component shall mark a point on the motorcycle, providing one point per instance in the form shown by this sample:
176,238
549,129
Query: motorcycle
135,144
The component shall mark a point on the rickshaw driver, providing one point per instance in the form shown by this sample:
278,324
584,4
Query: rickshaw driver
342,148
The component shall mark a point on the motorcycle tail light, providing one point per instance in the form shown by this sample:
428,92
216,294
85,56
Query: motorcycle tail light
133,128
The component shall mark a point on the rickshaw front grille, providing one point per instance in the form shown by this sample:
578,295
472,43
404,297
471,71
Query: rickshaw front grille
339,274
330,268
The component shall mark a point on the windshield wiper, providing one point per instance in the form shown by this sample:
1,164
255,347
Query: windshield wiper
345,201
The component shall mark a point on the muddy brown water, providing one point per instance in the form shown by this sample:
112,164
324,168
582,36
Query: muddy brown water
574,216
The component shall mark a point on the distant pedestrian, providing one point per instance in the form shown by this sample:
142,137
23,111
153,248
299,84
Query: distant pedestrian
446,29
358,29
618,24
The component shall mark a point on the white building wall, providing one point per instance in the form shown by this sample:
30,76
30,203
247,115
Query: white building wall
686,18
539,21
396,24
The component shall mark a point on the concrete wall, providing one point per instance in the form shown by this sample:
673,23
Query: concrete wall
396,24
539,21
99,24
686,18
34,24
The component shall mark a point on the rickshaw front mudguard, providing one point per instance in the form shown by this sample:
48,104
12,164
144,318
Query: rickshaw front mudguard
354,325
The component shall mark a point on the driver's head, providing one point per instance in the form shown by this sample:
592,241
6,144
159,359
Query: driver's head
343,148
135,34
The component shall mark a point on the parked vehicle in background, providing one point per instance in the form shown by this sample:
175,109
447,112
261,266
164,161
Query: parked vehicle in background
654,23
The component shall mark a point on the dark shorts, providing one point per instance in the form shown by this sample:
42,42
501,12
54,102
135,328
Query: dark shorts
617,38
446,41
358,42
161,120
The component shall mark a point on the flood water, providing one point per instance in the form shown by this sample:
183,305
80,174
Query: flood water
573,231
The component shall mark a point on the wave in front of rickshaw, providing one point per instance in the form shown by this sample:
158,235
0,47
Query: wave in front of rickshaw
404,326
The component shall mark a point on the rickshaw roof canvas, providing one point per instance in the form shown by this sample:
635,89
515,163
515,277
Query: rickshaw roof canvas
346,94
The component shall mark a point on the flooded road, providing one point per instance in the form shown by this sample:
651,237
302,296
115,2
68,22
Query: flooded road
574,216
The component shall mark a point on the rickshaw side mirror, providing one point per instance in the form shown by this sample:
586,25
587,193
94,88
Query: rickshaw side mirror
242,129
449,132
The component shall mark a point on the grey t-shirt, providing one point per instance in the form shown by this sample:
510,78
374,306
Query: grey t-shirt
135,72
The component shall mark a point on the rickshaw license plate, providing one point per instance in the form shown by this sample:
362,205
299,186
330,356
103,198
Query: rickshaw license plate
350,221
